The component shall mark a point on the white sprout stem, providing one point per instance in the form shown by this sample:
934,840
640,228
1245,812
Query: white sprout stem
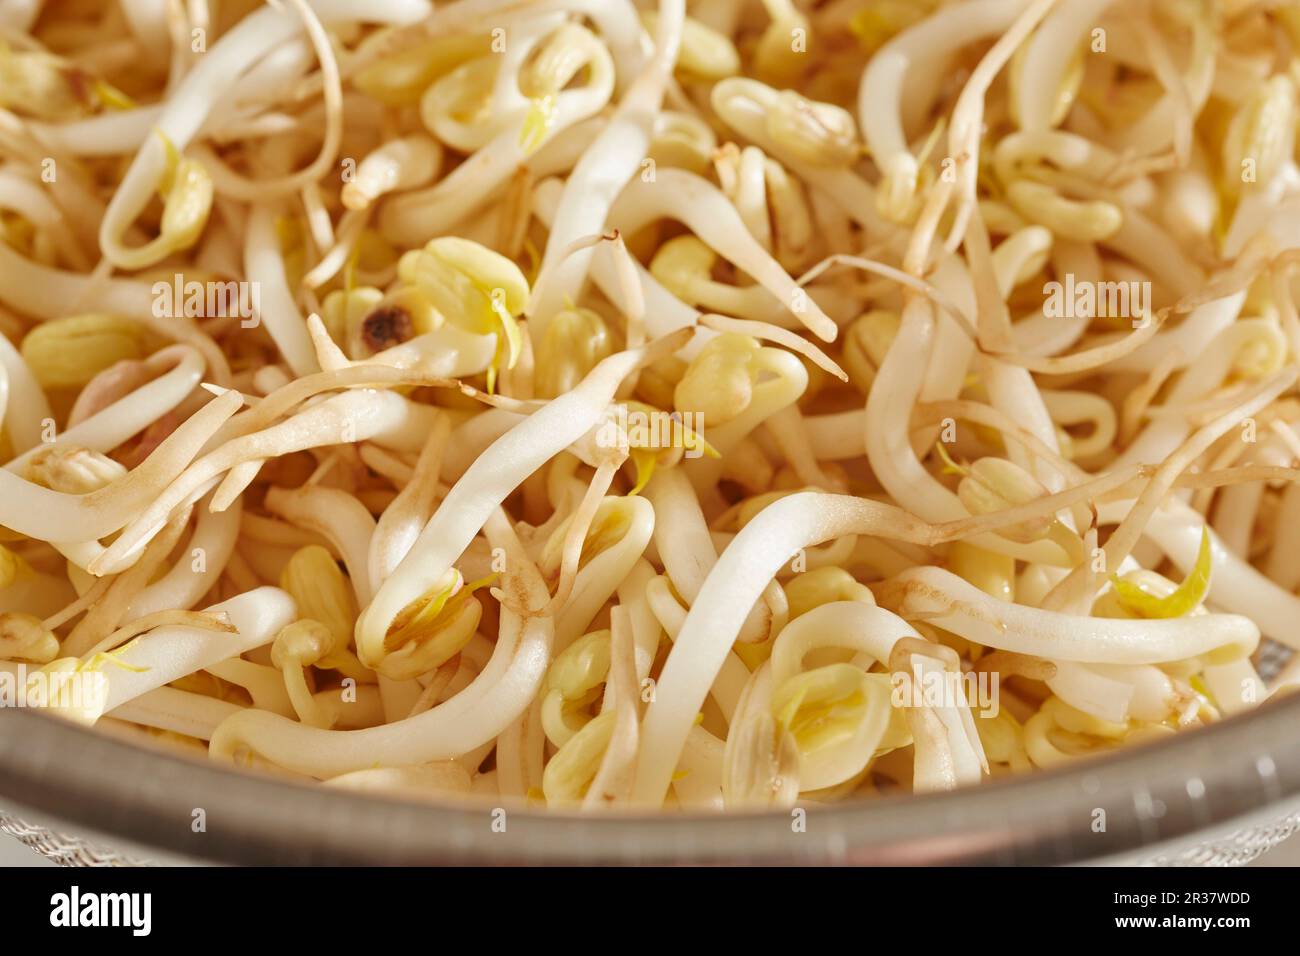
1077,408
664,312
1085,689
736,582
283,68
47,515
685,543
1079,588
394,166
851,195
105,134
1236,686
613,780
521,754
837,436
147,20
1160,127
1023,154
729,686
467,132
1151,249
890,71
968,114
1047,58
446,352
425,782
1012,390
1014,393
264,265
993,153
354,415
945,600
25,197
1191,337
889,408
1260,212
215,72
805,519
199,568
749,194
851,625
947,746
1237,508
789,380
49,293
426,213
472,437
265,684
169,653
953,349
487,482
401,522
888,442
698,204
645,626
1114,692
774,333
20,15
351,225
339,518
239,187
133,413
1042,333
599,579
179,711
1283,563
681,533
22,391
607,165
559,154
620,27
358,376
478,714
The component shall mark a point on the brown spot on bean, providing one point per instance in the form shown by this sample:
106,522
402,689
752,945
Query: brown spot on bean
385,327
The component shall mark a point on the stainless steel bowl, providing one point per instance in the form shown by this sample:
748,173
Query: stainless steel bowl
1136,803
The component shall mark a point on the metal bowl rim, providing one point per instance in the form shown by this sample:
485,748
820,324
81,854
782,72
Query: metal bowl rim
1157,792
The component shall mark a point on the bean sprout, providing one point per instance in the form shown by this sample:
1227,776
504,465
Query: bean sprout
589,405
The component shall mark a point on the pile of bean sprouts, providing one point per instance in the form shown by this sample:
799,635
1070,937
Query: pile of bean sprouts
621,404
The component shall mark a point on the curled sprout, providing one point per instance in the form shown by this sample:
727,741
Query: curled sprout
300,645
186,190
833,708
572,684
429,631
474,287
560,58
